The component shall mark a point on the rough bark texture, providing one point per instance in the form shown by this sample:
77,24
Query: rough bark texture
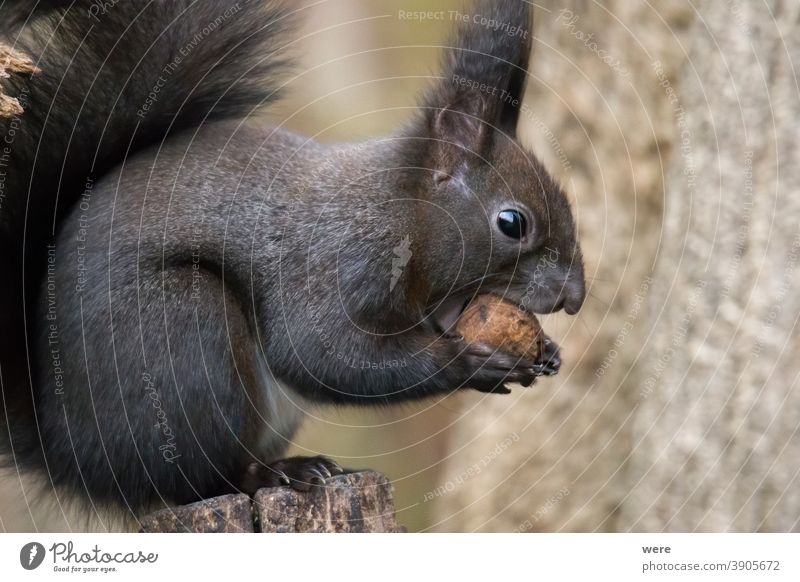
12,62
604,127
355,502
226,514
716,434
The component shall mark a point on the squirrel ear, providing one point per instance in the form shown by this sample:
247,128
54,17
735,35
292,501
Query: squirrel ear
458,133
489,57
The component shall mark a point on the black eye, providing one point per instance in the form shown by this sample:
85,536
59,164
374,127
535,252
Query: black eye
512,223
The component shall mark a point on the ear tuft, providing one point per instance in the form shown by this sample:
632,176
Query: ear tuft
489,56
484,72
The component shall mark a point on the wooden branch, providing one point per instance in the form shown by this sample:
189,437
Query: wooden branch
13,62
355,502
9,107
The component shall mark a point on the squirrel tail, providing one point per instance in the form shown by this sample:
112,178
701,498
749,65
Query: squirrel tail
106,78
117,75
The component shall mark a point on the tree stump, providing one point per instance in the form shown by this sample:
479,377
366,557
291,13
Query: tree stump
354,502
225,514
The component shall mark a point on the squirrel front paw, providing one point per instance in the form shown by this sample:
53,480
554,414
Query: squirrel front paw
299,473
549,361
488,369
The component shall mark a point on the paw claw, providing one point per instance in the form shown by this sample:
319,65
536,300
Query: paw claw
549,362
299,473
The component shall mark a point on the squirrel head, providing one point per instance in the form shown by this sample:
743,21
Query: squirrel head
491,218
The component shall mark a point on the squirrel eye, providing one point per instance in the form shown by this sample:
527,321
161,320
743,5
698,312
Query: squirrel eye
512,223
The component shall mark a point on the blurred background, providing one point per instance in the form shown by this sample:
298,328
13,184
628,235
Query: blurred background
676,408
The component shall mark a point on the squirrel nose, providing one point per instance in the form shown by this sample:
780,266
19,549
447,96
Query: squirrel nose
574,292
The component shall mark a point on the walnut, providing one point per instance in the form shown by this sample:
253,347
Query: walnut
502,324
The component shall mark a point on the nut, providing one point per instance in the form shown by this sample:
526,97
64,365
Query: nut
501,324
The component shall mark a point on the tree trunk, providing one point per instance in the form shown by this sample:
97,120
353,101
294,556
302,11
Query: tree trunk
715,440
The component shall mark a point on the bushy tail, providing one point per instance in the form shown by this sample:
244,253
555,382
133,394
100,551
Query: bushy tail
119,74
114,76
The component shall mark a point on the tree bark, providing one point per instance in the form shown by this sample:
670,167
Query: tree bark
13,62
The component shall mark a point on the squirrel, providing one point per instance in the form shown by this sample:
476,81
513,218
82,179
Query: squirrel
184,279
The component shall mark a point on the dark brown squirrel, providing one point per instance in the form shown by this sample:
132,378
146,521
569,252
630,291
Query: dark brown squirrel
184,280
